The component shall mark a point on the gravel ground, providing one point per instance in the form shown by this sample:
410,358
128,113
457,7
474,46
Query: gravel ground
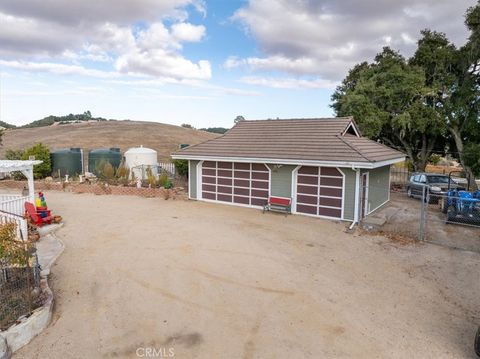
201,280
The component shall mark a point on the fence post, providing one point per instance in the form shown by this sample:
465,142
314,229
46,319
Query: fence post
421,235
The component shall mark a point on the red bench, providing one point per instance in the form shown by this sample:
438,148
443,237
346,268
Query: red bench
278,204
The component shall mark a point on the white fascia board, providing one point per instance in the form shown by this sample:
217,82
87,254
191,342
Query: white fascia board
348,164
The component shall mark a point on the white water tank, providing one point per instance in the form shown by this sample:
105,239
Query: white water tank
138,159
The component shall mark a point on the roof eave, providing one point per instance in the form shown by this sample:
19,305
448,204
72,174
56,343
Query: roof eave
298,162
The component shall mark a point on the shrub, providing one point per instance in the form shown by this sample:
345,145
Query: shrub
123,174
181,167
163,179
106,172
42,153
12,250
434,159
152,180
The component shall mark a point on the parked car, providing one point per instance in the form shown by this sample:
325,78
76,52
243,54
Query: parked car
437,184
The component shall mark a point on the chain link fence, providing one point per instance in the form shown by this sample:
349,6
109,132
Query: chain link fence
446,214
19,276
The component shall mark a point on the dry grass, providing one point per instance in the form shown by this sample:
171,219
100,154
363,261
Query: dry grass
124,134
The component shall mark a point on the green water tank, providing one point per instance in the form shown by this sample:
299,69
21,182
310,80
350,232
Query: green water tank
96,156
67,161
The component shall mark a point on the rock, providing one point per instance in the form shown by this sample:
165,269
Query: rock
48,179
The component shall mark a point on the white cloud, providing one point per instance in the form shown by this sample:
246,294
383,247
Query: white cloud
58,69
155,53
33,36
159,62
279,63
188,32
327,37
289,83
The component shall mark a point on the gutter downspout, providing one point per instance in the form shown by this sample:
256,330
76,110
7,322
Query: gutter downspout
357,197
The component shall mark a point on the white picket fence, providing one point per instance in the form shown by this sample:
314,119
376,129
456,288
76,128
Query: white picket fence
14,204
169,167
12,209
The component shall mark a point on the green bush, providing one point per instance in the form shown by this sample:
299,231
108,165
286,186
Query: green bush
42,153
181,167
434,159
162,179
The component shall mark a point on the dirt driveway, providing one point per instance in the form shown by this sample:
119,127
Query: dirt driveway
202,280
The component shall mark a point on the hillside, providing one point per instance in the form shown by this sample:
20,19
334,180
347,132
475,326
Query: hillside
123,134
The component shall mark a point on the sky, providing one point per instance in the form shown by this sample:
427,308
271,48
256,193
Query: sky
197,61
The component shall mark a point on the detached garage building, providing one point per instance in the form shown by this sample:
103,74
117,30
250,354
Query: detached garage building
323,165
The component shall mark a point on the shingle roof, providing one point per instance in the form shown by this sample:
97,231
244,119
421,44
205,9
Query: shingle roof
320,139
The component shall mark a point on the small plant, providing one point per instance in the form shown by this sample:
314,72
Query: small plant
151,179
12,250
168,184
434,159
106,172
123,174
162,179
181,166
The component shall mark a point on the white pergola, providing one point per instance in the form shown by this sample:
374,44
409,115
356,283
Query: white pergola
26,167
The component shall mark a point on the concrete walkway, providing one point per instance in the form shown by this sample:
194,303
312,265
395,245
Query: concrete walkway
49,247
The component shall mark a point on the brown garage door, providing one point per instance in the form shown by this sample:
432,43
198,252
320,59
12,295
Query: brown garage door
319,191
241,183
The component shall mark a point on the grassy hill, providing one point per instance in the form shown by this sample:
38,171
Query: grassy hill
89,135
